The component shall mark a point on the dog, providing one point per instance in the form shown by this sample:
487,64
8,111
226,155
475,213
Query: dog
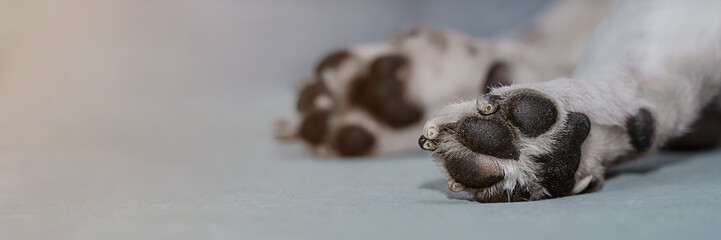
651,69
373,99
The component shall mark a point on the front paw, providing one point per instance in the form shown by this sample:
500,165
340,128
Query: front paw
517,146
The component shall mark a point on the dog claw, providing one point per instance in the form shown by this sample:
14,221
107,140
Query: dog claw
429,146
485,107
430,130
581,185
454,186
426,144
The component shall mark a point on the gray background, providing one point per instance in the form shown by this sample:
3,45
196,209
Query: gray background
137,119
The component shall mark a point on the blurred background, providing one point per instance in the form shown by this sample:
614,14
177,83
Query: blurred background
114,104
168,76
152,118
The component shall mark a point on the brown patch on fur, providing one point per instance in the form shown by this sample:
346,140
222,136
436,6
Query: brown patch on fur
331,61
306,100
381,93
499,74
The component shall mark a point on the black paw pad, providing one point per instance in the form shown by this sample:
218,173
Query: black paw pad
641,129
487,137
474,174
354,141
532,114
559,166
314,127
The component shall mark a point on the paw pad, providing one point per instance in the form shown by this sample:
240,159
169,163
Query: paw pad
489,137
533,114
475,146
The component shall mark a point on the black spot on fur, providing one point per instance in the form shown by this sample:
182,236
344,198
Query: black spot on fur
532,114
488,137
354,141
468,173
559,166
306,100
498,75
314,127
641,128
331,61
381,93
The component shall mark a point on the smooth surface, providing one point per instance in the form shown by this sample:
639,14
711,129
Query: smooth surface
152,120
258,189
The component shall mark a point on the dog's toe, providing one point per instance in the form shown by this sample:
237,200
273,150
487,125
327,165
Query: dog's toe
454,186
430,130
427,144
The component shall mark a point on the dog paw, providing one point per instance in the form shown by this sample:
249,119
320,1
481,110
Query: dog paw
388,90
517,146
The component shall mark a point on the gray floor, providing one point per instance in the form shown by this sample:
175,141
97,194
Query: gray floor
140,120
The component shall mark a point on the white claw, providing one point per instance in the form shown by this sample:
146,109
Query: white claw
428,145
485,107
430,130
454,186
581,185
